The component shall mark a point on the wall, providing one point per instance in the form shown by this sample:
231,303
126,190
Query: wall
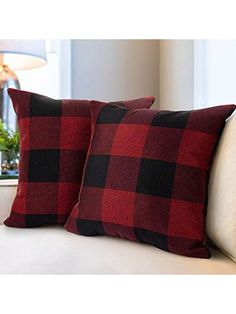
54,78
43,80
115,69
176,74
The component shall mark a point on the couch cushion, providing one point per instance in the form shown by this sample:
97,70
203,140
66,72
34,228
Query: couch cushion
51,250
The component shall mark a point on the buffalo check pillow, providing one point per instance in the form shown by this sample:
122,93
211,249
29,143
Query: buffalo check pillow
146,176
54,138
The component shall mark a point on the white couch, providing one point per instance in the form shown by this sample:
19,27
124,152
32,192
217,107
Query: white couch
52,250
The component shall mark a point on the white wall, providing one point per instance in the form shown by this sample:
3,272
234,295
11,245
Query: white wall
54,78
115,69
43,80
176,74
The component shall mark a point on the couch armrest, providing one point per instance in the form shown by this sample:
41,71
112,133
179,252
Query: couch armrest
7,194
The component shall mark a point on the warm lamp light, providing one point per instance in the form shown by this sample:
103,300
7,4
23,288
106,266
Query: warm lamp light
16,55
22,54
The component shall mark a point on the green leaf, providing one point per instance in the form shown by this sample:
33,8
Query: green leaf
9,143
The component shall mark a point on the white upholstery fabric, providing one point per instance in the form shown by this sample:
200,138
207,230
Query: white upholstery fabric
221,212
52,250
7,194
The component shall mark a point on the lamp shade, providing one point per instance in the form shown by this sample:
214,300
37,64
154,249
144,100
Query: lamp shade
22,54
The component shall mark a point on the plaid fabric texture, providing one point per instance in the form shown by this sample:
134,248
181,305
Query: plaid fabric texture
54,138
146,176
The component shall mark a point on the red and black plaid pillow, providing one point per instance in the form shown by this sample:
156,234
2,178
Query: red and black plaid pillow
54,138
146,176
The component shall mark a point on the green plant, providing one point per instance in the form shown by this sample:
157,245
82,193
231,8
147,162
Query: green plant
9,145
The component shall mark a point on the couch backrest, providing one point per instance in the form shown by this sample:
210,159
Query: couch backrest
7,194
221,212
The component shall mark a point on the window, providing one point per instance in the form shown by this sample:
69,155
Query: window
215,68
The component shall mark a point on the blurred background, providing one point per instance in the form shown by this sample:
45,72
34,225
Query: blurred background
182,74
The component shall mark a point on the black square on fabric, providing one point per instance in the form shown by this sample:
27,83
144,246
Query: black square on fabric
36,220
44,106
44,165
90,227
96,171
68,158
174,119
156,239
156,177
111,114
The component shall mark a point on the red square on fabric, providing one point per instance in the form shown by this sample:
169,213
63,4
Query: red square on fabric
16,219
123,173
21,102
186,220
67,197
74,212
103,139
196,149
89,197
75,132
24,166
140,116
129,140
44,132
24,127
151,213
41,198
118,207
20,205
75,108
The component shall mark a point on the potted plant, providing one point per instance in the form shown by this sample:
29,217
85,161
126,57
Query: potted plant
10,148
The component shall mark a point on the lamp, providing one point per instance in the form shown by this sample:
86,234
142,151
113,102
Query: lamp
16,55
